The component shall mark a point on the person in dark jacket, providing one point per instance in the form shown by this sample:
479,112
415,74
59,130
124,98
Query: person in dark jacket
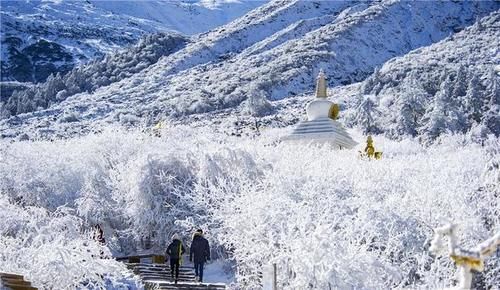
199,254
175,251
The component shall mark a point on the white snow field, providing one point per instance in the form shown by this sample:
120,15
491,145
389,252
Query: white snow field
327,218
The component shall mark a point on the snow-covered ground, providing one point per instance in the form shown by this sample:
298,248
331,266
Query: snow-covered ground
327,218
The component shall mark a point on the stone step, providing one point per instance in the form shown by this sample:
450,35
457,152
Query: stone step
166,280
184,270
166,273
161,271
156,266
166,277
158,276
194,286
187,274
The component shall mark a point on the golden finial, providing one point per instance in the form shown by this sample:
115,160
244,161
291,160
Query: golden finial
321,85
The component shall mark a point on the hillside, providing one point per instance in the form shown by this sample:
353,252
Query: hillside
91,76
449,87
271,53
44,37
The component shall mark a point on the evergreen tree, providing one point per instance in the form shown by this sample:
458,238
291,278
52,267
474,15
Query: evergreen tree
435,120
460,87
411,106
367,115
491,116
371,83
474,101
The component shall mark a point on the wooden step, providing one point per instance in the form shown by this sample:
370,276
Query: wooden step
10,275
15,286
7,281
15,282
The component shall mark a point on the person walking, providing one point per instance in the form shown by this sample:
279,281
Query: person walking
175,251
199,253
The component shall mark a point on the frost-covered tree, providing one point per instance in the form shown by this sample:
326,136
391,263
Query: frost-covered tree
436,118
253,201
256,103
366,116
460,86
491,117
474,101
411,107
372,84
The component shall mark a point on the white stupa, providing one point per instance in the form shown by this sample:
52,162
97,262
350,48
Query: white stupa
321,125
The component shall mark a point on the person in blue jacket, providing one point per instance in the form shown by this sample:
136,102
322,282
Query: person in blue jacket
199,253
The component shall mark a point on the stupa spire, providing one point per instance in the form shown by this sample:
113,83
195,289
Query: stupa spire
321,85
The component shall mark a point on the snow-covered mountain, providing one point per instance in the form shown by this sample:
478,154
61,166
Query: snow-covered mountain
43,37
93,75
452,86
271,53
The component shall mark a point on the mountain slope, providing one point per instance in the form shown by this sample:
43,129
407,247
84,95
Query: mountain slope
270,53
451,86
93,75
44,37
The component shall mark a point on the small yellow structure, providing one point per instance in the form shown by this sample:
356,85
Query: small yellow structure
370,149
156,130
474,263
160,125
334,112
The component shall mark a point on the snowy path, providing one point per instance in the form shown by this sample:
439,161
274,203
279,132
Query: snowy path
158,276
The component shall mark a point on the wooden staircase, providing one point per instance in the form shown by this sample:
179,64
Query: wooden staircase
158,276
14,282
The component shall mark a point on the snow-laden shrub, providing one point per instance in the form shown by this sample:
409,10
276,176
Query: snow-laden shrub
68,117
331,220
327,218
50,249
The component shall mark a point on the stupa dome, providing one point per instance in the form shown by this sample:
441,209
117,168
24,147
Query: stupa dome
318,108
